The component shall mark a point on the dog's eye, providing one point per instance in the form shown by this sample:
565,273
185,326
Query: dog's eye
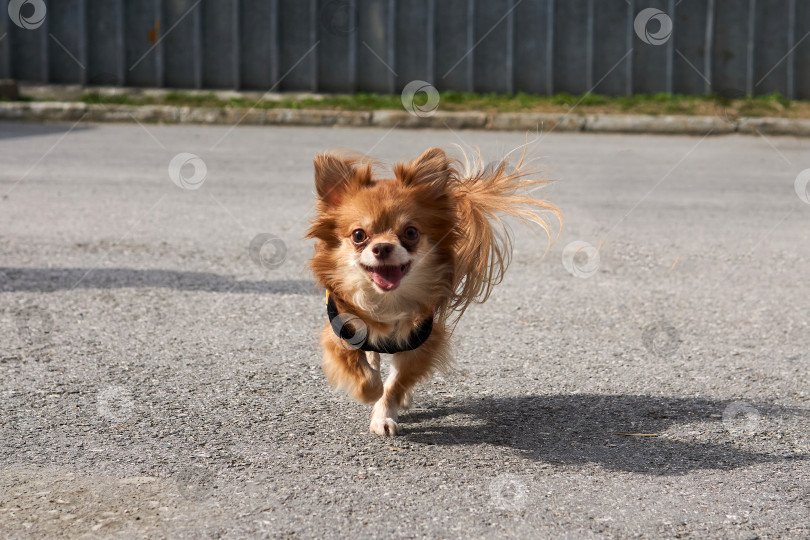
411,234
358,236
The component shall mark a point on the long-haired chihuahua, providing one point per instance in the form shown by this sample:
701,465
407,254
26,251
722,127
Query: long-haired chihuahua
402,258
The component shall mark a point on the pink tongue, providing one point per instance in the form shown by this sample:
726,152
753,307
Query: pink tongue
387,277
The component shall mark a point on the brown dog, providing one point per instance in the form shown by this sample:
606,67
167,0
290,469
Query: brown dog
399,256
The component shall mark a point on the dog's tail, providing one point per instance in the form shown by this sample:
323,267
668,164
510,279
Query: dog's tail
484,195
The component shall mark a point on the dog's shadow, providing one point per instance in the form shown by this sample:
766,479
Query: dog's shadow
621,432
58,279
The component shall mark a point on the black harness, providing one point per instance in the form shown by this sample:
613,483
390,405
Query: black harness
352,330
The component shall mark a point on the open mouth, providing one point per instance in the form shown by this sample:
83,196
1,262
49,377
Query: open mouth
387,277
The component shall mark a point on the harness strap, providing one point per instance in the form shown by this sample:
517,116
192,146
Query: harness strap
352,329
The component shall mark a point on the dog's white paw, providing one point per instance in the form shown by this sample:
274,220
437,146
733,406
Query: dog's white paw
386,427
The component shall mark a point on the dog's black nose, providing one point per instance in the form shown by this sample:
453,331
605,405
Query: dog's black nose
382,250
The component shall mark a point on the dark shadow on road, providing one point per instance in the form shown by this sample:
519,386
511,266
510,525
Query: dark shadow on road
18,130
585,428
58,279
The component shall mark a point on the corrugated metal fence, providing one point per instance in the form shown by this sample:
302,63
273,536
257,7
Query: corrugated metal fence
537,46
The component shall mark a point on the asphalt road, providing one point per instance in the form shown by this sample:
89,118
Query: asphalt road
161,378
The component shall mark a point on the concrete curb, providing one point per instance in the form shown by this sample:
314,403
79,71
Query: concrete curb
593,123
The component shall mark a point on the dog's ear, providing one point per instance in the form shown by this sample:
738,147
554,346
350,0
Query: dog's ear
333,173
432,168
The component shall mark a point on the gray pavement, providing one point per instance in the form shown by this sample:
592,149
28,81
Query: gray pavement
160,378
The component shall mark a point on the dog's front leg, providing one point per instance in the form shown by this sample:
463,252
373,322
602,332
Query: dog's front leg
407,368
385,413
350,369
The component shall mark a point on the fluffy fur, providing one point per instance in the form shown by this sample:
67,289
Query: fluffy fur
393,251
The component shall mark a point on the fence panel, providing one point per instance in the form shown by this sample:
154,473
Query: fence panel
800,59
299,45
144,53
613,41
105,42
454,40
613,47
